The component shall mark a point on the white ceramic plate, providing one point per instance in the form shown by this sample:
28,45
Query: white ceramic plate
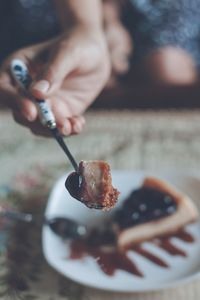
87,272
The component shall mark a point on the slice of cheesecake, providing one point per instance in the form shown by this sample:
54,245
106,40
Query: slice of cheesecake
156,209
94,185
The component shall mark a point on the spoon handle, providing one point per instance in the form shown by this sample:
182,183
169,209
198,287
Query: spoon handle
63,227
21,75
15,215
63,145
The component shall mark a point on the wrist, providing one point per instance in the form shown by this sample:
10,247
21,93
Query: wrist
88,25
71,14
83,29
111,12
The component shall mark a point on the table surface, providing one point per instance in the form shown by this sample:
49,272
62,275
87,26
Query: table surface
164,140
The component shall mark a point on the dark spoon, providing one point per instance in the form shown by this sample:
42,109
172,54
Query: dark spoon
66,228
62,226
73,185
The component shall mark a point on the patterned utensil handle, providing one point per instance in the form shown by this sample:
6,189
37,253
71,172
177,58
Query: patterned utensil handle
21,75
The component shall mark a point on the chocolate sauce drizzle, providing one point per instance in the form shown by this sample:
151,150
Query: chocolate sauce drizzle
150,256
109,261
112,259
168,246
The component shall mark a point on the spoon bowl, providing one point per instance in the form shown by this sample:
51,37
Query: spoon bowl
66,228
73,185
62,226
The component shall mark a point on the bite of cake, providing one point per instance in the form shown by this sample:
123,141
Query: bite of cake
92,185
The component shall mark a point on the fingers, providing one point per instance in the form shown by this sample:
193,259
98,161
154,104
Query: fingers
35,127
120,57
24,110
120,46
73,125
77,124
10,92
68,126
8,87
26,114
120,61
28,109
10,97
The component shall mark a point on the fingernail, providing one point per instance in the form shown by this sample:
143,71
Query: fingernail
30,118
30,114
42,86
83,121
65,129
77,127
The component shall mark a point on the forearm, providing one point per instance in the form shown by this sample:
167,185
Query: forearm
83,12
111,11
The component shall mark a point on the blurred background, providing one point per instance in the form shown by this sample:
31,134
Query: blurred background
154,47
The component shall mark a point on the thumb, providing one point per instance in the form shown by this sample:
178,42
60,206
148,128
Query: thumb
60,64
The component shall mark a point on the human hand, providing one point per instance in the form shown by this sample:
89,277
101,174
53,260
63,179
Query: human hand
69,72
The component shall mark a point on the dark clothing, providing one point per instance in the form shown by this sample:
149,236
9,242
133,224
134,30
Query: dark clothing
25,22
153,24
158,23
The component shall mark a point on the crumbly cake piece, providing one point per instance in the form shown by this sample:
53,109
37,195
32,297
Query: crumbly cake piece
95,188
